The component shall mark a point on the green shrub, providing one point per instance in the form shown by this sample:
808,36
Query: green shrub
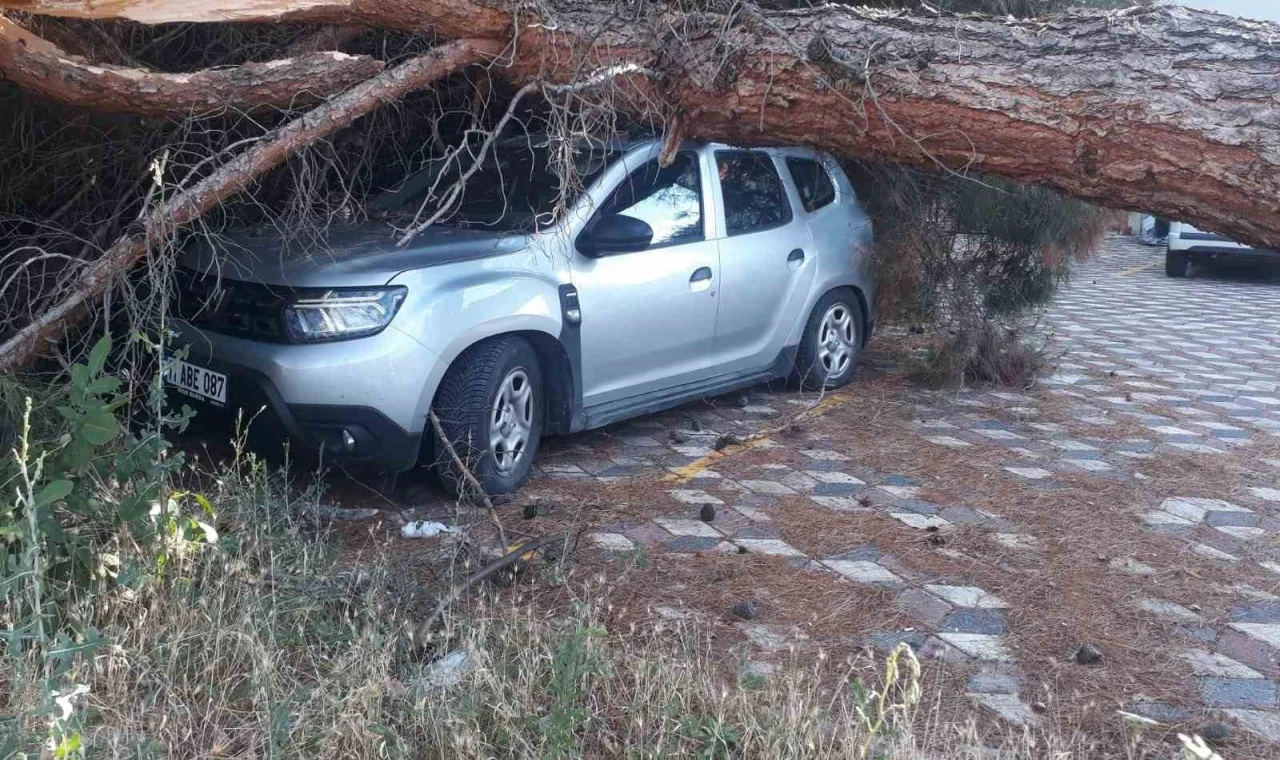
970,258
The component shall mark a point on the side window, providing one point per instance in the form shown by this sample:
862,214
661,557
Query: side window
812,182
753,196
669,200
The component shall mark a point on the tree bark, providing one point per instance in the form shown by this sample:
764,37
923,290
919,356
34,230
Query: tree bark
235,176
38,65
1167,110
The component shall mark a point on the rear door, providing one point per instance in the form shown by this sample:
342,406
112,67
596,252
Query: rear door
649,316
766,259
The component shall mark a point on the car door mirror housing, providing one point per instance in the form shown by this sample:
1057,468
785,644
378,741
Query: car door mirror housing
616,233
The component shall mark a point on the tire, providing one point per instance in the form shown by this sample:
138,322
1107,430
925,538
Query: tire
1176,264
467,404
814,370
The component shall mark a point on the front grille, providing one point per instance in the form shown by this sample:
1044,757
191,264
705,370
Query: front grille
232,307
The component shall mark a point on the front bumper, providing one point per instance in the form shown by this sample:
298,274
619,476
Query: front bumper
353,402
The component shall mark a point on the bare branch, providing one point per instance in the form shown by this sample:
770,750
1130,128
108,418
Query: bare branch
40,66
238,174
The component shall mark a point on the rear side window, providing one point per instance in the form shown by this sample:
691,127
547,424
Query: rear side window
812,182
753,196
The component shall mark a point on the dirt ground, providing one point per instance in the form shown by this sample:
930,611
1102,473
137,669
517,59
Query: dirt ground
1128,501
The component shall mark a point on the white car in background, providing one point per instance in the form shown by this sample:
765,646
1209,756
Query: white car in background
1187,244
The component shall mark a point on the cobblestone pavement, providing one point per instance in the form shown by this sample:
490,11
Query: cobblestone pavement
1132,497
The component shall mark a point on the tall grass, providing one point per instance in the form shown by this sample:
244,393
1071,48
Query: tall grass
266,644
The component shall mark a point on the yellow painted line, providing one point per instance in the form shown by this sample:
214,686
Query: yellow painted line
697,467
1139,268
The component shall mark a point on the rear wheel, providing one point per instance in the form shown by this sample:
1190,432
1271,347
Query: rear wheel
1176,264
490,405
828,353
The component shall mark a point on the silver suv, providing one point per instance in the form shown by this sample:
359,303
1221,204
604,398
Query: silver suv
653,286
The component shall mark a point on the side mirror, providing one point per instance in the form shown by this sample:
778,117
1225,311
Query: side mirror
616,233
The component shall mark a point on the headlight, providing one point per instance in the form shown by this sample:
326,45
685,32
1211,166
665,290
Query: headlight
341,313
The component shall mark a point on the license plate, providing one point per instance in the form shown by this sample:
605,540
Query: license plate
197,381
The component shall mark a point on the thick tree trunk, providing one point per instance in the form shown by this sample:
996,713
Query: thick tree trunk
40,66
1169,110
237,175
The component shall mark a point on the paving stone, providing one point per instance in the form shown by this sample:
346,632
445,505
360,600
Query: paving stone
1259,612
767,487
1205,550
1263,724
978,646
1161,519
890,641
840,503
902,492
1089,465
936,649
770,546
825,455
990,622
966,596
757,531
1268,633
798,481
838,489
964,515
1030,473
648,535
612,541
834,477
1168,610
926,608
694,496
995,681
685,527
1205,663
1241,532
864,553
946,440
1007,706
1196,448
772,638
692,544
1238,692
1000,435
919,522
751,513
861,571
1231,519
918,506
1195,509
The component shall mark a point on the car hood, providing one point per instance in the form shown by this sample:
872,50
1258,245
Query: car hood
357,255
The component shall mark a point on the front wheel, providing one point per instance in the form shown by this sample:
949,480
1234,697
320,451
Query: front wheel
1176,264
490,405
828,353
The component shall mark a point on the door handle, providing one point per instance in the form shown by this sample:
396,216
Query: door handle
700,280
795,258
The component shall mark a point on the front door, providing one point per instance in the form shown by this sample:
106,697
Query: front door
649,316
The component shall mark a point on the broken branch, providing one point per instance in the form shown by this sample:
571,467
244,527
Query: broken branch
37,65
238,174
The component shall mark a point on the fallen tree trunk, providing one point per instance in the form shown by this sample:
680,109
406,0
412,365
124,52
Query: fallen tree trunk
38,65
1169,110
235,176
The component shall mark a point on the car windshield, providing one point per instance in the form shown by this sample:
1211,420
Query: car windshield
515,189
